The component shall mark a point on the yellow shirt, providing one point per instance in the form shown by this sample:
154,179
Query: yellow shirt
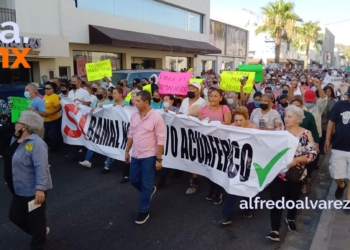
51,102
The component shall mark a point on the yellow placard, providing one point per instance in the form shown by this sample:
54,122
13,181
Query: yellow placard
199,80
29,146
230,81
98,70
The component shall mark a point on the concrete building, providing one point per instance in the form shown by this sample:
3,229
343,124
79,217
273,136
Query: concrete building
133,34
328,49
231,40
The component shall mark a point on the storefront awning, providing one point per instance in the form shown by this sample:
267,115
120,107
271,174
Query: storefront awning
282,61
293,61
255,61
122,38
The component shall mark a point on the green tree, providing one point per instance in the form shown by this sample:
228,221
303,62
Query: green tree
280,22
308,34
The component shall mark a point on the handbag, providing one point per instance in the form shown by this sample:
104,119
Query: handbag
295,173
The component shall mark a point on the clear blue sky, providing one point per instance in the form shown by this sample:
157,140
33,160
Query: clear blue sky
324,11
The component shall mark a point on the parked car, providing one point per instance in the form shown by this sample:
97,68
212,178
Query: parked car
17,89
130,75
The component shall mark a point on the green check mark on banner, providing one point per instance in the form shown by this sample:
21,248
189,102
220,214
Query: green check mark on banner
263,172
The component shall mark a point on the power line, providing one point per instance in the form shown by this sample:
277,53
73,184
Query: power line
339,22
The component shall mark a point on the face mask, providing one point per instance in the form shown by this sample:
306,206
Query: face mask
73,86
257,103
110,97
230,101
156,100
64,92
26,94
18,134
284,105
309,105
278,87
264,106
166,105
99,96
94,90
191,95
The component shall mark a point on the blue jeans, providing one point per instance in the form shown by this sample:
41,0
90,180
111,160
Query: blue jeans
53,130
229,205
90,153
141,177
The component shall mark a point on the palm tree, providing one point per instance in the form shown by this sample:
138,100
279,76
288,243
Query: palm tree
306,35
280,22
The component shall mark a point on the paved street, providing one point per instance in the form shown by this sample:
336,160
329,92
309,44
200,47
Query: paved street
88,210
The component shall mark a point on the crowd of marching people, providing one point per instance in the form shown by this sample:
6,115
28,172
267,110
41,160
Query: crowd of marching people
297,101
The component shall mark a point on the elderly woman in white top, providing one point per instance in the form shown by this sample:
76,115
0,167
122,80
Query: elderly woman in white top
288,185
28,177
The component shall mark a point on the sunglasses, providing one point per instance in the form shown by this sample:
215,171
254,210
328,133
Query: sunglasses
48,88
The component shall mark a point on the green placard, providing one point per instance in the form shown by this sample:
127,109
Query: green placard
257,68
18,104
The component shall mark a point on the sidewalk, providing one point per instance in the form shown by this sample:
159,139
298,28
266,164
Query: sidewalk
333,230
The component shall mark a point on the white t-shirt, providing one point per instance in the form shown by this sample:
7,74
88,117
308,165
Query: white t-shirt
81,94
185,105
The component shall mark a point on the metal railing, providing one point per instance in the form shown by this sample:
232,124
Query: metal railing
7,15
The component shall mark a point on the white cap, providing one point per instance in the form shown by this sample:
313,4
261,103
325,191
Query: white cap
196,84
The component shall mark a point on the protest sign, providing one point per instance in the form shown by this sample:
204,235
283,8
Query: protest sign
173,82
18,104
240,160
199,80
257,68
98,70
230,81
335,80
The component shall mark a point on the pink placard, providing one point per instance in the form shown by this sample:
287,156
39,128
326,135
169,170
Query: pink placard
173,82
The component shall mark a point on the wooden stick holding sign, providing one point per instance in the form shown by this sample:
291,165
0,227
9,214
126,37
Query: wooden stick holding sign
173,82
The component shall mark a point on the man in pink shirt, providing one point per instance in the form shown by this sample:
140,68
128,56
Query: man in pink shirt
146,137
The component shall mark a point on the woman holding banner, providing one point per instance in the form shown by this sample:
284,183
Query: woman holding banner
217,110
241,119
101,95
287,186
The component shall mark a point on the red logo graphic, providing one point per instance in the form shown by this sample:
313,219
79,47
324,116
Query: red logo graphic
80,129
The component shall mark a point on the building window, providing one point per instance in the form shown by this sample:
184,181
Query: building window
148,11
236,42
177,63
217,35
82,57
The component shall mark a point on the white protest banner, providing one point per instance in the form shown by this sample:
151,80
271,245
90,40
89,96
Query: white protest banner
335,80
242,161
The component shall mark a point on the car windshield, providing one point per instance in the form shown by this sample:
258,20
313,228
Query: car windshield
118,76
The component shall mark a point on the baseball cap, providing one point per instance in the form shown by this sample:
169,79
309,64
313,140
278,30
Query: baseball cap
309,96
195,84
347,93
